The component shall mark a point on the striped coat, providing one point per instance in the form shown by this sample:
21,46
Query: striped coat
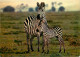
50,33
31,29
31,25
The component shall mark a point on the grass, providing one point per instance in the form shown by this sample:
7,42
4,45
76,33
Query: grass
12,28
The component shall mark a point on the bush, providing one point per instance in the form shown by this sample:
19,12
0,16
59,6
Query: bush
74,42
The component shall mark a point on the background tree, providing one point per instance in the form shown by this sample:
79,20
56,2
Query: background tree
21,7
30,10
61,8
8,9
53,9
60,3
36,8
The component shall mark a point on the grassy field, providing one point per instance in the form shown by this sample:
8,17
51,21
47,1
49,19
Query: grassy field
13,37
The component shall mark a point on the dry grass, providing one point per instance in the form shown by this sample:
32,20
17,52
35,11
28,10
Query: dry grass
12,29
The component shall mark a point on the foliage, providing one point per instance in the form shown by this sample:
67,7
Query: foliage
36,9
53,9
30,10
8,9
61,8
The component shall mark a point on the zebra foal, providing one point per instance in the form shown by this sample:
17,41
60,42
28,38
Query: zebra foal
49,33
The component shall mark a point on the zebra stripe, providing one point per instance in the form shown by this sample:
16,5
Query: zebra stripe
30,25
58,30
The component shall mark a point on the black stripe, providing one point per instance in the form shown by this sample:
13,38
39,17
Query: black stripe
29,18
37,30
59,30
27,21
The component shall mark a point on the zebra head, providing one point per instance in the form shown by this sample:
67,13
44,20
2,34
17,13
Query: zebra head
41,10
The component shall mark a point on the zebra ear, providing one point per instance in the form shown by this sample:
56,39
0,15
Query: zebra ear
38,4
42,4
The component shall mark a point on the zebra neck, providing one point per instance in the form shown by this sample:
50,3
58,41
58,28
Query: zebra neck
45,27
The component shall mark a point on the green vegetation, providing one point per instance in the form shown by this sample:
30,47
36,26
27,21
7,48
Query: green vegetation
12,33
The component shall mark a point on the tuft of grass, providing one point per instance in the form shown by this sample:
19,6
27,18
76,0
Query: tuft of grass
74,42
16,27
13,32
75,22
54,54
5,50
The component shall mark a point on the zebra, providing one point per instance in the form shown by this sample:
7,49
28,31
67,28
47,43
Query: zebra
31,26
50,33
41,11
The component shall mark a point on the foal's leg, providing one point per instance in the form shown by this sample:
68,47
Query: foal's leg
47,46
38,37
43,43
31,39
63,43
60,43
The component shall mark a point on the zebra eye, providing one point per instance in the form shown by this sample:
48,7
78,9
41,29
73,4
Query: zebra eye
37,30
39,25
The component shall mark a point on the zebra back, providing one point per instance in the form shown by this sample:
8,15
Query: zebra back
58,30
31,25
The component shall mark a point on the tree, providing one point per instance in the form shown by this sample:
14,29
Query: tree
30,10
53,9
61,8
60,3
22,7
53,3
36,9
8,9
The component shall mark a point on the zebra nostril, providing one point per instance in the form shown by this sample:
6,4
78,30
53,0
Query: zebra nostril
37,30
38,16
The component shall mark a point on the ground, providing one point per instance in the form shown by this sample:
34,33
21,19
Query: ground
13,37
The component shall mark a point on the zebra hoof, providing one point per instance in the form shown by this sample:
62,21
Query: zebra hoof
59,51
38,50
26,51
48,52
64,50
42,51
32,50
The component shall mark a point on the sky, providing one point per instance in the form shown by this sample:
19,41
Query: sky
70,5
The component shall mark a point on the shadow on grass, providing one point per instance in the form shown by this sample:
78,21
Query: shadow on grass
13,32
54,54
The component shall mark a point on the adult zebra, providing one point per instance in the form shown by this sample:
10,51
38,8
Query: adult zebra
31,25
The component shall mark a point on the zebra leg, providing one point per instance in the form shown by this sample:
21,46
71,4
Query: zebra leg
27,42
63,44
47,46
60,43
43,44
38,37
31,43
